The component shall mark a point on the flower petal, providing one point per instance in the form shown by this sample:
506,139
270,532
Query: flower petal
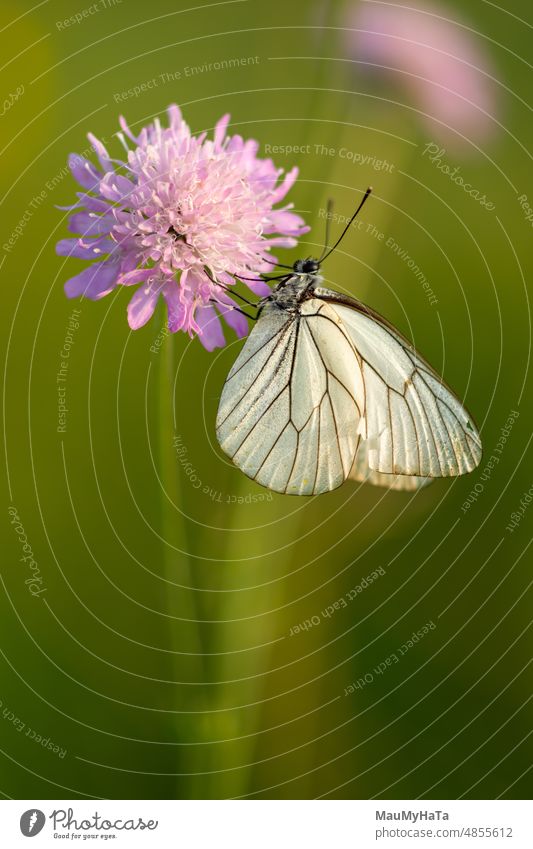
84,171
138,275
282,242
91,224
220,131
101,152
93,282
175,116
116,187
142,306
93,204
176,310
259,287
283,221
92,249
210,330
287,183
126,129
129,262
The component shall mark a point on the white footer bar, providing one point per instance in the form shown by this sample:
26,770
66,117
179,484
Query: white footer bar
268,824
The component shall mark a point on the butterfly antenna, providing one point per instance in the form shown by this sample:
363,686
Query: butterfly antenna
328,222
342,235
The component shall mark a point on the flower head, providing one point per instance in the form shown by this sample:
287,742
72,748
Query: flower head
436,60
180,216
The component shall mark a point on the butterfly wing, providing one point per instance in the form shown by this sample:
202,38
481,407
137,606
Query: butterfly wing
361,471
413,424
290,408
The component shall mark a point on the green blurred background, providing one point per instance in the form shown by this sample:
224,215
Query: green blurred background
159,659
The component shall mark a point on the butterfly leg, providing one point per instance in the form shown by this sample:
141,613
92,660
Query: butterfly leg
236,309
227,289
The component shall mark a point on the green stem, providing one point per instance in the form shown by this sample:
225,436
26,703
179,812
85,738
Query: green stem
182,597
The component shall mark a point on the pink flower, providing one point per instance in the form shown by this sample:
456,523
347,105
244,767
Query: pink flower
436,60
178,206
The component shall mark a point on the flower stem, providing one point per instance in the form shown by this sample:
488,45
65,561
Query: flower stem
186,639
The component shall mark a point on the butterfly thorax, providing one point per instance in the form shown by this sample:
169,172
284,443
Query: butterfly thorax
291,292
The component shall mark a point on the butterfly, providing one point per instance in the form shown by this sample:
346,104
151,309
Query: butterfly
325,389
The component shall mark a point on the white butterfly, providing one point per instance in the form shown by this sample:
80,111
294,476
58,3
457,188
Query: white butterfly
326,389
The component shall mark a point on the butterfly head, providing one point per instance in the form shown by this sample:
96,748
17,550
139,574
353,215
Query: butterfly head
306,266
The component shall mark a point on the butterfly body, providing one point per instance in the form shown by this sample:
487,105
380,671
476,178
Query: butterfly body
289,294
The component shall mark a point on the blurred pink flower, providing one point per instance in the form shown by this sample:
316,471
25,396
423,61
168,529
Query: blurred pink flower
438,61
179,205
